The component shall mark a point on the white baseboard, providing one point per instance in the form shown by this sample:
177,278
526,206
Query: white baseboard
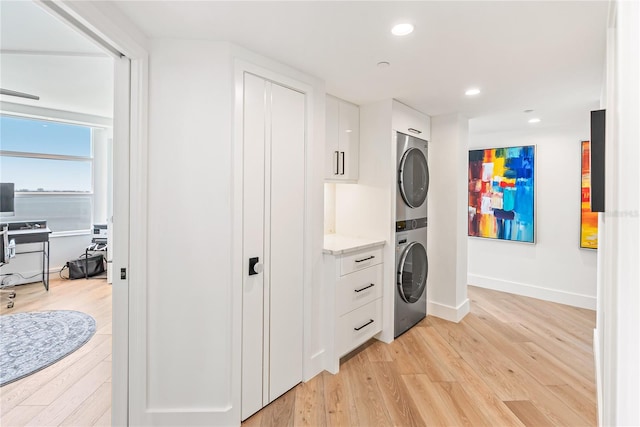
527,290
447,312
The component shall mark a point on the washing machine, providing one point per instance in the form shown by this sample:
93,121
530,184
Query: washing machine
412,178
412,265
412,268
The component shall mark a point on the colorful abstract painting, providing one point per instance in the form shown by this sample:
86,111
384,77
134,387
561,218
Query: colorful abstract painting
501,193
588,219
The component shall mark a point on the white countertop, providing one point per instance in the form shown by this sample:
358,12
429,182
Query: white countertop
335,244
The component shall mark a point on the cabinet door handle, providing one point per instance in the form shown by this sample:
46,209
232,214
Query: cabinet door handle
366,287
415,131
366,259
342,173
337,162
366,324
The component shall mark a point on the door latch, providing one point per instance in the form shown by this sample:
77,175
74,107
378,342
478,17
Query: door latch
255,266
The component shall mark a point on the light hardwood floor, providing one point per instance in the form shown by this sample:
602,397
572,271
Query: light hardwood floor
512,361
76,391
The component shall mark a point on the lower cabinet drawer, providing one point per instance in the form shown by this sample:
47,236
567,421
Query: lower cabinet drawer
357,326
359,288
360,260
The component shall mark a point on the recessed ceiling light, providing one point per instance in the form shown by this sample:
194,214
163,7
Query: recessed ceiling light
383,64
402,29
471,92
534,120
528,111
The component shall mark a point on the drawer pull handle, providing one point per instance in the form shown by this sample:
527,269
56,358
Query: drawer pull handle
415,131
366,324
366,287
365,259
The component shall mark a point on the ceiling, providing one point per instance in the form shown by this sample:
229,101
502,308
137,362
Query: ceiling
546,56
26,27
44,56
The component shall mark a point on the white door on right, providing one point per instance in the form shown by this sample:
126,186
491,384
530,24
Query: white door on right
273,210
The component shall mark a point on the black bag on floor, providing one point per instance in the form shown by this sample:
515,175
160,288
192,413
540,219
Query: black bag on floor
86,266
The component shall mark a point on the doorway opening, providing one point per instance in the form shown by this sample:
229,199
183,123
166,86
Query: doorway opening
58,150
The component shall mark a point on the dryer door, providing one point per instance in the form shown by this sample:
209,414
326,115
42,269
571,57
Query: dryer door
412,272
413,177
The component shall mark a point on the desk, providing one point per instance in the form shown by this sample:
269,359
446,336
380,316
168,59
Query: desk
25,236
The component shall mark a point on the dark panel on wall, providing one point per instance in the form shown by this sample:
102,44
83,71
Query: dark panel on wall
597,160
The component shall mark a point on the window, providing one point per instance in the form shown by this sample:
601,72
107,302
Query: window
51,164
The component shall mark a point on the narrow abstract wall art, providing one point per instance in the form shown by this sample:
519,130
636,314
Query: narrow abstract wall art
588,219
501,193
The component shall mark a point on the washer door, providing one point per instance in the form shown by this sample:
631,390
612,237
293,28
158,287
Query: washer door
413,177
412,272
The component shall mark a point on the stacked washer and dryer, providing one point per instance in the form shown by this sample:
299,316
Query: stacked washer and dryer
412,265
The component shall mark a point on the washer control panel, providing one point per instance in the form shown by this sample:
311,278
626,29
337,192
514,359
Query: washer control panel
411,224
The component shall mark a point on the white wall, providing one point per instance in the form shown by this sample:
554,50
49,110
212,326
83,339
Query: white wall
329,208
555,268
189,205
447,242
192,289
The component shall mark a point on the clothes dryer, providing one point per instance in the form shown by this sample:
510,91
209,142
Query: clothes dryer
412,268
412,177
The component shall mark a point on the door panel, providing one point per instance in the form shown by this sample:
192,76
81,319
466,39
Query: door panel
253,244
273,230
119,248
286,239
332,137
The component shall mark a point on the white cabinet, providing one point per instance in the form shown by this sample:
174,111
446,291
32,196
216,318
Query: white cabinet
410,122
354,279
342,135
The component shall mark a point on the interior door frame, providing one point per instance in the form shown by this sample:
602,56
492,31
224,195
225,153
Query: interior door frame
101,24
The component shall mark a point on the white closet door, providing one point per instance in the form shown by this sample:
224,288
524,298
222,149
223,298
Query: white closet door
286,239
273,197
253,295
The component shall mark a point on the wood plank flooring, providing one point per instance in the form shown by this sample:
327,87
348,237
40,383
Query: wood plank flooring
513,361
76,391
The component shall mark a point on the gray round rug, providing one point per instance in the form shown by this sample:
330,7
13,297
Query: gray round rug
32,341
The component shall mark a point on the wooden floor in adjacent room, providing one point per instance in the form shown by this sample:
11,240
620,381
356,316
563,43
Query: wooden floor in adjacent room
75,391
512,361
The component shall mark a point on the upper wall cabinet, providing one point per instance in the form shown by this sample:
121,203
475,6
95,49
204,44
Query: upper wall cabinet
411,122
342,140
